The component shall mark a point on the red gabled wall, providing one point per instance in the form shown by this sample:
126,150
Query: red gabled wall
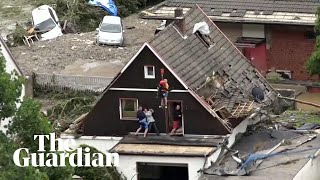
257,56
290,50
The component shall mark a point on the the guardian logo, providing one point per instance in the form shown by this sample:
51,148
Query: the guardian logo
65,152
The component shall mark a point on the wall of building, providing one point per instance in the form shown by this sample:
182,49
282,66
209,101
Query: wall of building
253,30
128,164
101,143
104,119
133,76
311,170
290,49
231,30
287,46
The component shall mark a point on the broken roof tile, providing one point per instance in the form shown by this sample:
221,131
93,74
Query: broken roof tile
194,62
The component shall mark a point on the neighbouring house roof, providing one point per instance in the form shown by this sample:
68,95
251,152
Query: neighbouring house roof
289,157
251,11
195,146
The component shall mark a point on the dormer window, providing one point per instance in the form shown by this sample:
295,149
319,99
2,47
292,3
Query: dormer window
149,72
202,31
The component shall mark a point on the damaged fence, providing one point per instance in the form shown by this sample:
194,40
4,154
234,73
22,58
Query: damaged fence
61,82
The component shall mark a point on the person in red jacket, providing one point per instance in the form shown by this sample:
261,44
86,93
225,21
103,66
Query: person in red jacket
164,90
177,120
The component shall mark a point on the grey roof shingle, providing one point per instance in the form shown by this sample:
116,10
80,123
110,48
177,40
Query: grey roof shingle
193,61
295,6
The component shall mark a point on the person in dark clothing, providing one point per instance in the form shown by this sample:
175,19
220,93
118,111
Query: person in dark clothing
177,119
143,123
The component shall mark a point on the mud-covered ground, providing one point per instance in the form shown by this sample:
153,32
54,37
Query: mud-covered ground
77,54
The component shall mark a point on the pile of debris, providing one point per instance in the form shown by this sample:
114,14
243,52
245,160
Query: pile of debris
267,150
53,56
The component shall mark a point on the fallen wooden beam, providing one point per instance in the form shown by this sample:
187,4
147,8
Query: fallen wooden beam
300,101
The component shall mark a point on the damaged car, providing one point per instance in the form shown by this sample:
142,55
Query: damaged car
46,22
110,31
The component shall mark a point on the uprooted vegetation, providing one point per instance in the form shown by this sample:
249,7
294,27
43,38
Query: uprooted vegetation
296,118
67,105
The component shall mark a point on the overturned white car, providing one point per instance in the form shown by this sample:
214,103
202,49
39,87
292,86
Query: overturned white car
46,22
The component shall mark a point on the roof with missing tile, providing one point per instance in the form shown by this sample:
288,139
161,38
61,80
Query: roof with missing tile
194,62
290,157
259,11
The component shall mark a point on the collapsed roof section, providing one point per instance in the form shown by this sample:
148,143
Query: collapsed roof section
263,152
211,66
251,11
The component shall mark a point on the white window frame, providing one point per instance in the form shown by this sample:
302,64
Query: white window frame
120,108
146,75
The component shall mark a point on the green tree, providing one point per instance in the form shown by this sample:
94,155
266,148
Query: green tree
30,121
26,122
10,91
97,173
313,63
8,170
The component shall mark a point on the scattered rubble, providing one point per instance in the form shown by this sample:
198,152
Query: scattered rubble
53,56
296,119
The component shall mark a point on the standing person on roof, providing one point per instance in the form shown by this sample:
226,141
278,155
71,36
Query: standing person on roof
164,90
151,121
177,119
143,123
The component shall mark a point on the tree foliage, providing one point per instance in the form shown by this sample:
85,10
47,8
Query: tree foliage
313,63
97,173
8,170
28,121
10,91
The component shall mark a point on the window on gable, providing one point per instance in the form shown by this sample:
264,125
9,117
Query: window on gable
149,72
128,108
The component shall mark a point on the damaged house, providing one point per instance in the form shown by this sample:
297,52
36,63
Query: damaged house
219,91
267,32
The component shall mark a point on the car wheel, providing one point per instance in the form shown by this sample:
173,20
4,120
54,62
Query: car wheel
122,43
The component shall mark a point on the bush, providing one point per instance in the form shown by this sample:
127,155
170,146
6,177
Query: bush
18,35
273,77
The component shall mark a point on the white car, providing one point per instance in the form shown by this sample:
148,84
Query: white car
110,31
45,21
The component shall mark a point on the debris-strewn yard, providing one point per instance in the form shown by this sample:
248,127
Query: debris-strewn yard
77,53
295,119
310,97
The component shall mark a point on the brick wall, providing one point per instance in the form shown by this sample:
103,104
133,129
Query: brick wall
289,49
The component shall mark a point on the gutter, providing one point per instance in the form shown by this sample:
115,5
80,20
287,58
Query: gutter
257,21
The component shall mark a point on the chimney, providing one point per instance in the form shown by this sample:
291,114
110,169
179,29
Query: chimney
179,20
